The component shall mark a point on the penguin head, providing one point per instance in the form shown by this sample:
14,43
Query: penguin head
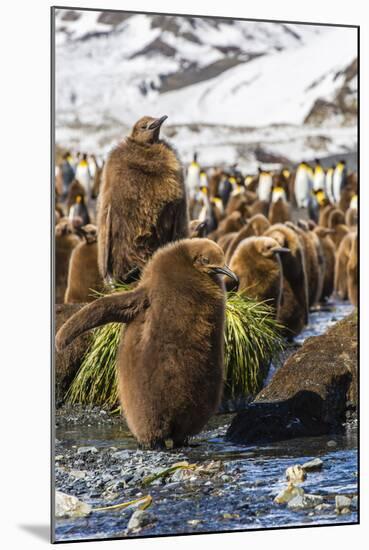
268,247
147,129
208,259
88,232
79,199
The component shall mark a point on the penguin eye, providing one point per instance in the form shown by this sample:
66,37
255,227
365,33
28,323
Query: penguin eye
205,260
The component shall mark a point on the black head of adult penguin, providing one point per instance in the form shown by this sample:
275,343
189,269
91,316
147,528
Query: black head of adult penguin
171,357
147,129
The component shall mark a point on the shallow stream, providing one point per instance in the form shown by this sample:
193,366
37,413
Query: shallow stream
97,460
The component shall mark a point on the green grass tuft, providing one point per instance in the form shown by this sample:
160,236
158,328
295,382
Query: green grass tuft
252,338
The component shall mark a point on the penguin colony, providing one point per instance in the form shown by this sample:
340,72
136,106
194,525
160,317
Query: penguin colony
289,237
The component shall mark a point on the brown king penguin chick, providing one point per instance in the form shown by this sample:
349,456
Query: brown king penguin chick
313,260
329,253
231,223
324,215
336,217
142,202
259,207
83,274
294,310
257,264
279,211
170,359
342,258
352,272
351,218
256,226
339,232
197,229
225,241
65,242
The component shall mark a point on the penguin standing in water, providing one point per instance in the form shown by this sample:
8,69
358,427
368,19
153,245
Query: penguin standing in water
303,185
342,259
78,210
329,255
294,311
171,356
142,203
265,185
339,180
352,272
193,177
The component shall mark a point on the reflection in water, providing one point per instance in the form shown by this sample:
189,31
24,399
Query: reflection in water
253,476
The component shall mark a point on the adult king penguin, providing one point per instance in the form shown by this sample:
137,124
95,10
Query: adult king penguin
142,203
303,185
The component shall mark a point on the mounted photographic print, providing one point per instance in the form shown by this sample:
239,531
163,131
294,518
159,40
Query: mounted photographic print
205,274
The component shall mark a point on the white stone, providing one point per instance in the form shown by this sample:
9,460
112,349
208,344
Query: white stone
68,506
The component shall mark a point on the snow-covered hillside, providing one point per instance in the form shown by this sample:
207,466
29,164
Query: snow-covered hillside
233,90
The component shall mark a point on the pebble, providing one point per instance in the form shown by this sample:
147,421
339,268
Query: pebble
194,522
121,455
139,519
332,443
303,502
79,474
86,450
295,473
343,504
288,493
313,465
69,506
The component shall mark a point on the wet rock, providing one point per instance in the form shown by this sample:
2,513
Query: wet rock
86,450
295,474
354,503
68,361
313,465
308,395
288,493
194,522
343,504
79,474
140,519
69,506
303,502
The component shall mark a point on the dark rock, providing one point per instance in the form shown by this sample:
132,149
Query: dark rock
309,394
68,361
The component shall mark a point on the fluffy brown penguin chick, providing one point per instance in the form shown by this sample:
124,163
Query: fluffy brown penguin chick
65,242
83,274
170,358
352,272
313,260
142,202
197,229
257,265
329,254
342,259
294,310
256,226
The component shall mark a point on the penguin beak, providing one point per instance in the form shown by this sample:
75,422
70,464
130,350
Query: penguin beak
226,271
158,122
281,250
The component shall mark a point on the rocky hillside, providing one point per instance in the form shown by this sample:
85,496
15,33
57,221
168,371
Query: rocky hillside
226,84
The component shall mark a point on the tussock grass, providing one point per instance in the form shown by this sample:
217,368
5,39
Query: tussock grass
252,338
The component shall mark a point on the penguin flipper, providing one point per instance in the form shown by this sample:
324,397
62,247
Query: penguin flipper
104,240
120,307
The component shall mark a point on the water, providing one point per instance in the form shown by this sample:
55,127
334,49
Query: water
241,497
